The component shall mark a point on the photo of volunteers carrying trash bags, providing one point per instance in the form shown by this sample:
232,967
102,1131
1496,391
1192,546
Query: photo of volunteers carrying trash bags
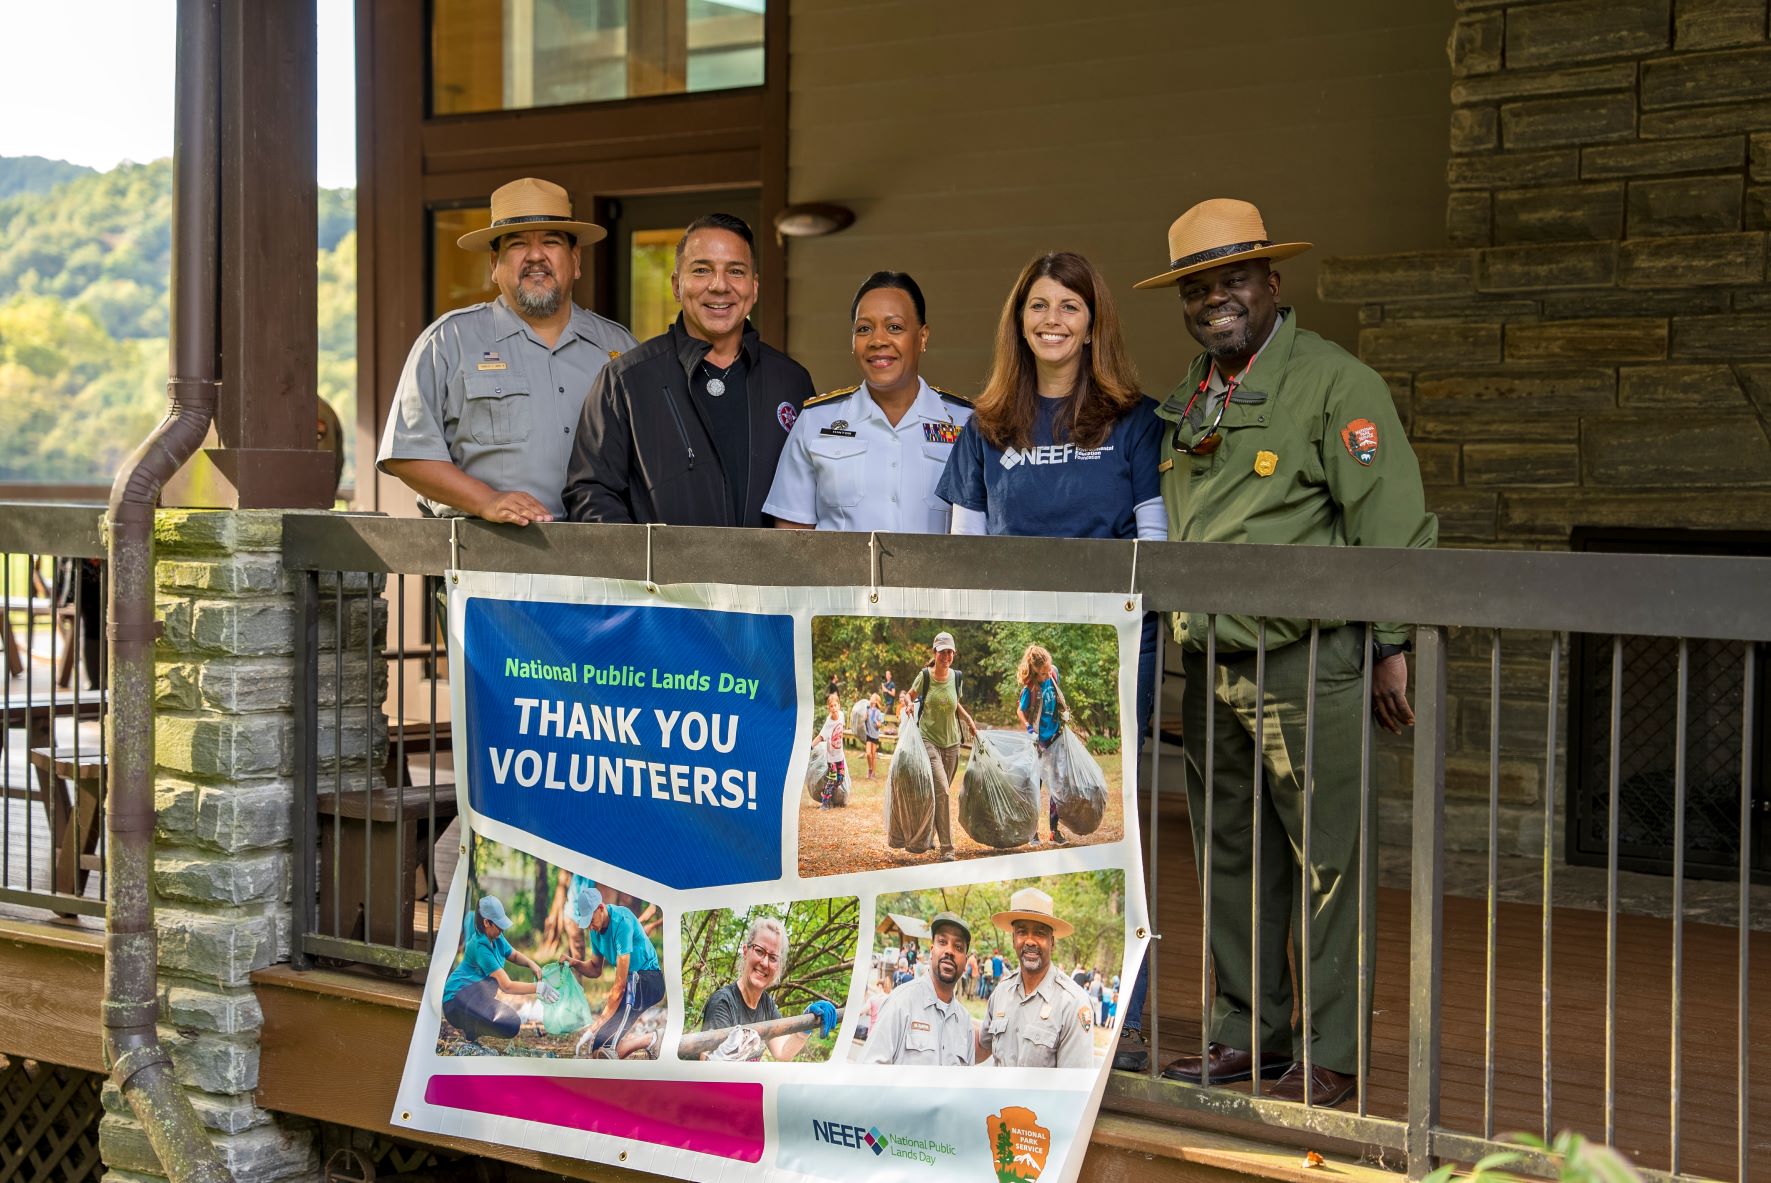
939,740
767,983
552,964
1017,974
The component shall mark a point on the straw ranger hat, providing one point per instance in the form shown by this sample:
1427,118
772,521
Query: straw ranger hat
530,203
1215,232
1032,904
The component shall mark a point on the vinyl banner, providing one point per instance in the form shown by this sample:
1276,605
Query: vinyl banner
784,883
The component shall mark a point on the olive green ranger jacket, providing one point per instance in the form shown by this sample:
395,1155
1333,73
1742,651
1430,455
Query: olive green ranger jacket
1313,453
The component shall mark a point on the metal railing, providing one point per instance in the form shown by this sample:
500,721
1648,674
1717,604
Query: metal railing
1461,603
52,706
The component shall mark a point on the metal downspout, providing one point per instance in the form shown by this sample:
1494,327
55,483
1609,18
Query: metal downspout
140,1067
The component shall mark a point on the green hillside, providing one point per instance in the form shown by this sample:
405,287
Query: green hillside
84,269
36,174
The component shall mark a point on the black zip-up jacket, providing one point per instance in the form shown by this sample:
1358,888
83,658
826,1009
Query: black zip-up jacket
644,451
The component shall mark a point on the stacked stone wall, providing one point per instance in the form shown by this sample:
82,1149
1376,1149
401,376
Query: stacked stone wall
1594,347
225,788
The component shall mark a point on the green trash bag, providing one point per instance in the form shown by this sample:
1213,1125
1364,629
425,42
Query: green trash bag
910,793
570,1011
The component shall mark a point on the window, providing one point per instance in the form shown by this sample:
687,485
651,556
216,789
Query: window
651,258
547,53
457,277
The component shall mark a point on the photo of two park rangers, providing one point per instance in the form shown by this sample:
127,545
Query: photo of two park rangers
928,1006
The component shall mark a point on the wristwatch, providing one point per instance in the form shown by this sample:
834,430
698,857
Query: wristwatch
1380,650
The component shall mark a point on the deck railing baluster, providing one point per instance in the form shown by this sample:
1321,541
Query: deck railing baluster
1613,818
1681,731
1549,874
1427,889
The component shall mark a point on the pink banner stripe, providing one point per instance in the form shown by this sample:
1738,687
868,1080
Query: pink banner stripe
710,1117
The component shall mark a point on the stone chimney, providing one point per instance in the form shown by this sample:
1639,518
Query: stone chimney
1593,348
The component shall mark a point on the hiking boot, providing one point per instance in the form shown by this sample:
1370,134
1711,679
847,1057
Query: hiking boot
1133,1052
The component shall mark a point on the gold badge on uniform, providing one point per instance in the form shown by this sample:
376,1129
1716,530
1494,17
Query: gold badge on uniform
1045,1012
1266,463
613,354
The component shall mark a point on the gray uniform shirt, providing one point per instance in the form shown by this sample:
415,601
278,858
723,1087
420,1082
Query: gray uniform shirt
916,1027
482,392
1053,1027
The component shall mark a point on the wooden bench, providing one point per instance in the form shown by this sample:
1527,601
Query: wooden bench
392,829
72,788
38,719
31,606
410,738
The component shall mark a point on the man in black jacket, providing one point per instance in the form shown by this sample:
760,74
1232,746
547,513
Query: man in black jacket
686,429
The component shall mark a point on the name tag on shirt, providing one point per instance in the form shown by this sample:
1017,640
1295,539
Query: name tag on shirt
940,433
919,1025
491,361
840,427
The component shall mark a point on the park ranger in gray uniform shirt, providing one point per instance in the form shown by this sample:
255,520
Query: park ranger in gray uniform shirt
484,416
916,1025
1049,1023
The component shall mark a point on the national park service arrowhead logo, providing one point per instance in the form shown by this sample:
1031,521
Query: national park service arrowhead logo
1360,438
1019,1145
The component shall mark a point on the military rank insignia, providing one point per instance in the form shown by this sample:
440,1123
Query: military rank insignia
940,433
1266,463
491,361
1360,437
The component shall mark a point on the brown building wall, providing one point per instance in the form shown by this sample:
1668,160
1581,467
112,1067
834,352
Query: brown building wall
1593,352
969,137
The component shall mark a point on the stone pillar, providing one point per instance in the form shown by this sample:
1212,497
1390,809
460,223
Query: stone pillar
224,792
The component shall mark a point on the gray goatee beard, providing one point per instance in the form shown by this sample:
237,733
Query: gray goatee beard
539,305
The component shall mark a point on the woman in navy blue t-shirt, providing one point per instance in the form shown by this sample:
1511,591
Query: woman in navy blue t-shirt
1061,443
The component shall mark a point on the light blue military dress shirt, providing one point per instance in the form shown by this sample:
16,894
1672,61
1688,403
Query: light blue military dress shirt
845,467
482,392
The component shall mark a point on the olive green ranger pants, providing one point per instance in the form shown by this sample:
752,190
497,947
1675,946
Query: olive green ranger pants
1334,841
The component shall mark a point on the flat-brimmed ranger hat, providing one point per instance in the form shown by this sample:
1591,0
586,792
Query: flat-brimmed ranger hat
1032,904
530,203
1215,232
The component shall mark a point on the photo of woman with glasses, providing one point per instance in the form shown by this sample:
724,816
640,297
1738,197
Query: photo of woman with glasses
740,1006
1062,443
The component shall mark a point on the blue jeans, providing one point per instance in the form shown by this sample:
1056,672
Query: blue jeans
1133,1007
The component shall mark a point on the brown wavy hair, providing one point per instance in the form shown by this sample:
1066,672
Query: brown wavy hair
1106,385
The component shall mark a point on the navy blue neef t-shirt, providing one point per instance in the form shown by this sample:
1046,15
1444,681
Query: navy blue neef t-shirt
1055,489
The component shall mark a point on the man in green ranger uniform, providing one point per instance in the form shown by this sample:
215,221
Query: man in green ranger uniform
1278,436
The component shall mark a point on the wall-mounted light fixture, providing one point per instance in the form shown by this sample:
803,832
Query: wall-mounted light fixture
812,219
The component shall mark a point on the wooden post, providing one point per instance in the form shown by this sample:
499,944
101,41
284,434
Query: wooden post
267,422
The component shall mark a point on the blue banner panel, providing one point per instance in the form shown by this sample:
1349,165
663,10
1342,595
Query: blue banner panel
656,740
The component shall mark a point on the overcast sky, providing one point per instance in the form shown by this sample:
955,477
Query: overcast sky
90,81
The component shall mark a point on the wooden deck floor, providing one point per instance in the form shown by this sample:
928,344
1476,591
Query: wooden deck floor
1708,1121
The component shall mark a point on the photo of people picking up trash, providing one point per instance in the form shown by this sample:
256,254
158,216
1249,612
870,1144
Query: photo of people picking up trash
552,964
941,740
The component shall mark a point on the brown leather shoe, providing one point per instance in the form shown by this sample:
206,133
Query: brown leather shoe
1228,1065
1327,1087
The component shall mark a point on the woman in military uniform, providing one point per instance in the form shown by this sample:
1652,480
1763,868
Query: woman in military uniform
868,456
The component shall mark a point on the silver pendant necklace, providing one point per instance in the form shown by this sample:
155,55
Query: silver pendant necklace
716,385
